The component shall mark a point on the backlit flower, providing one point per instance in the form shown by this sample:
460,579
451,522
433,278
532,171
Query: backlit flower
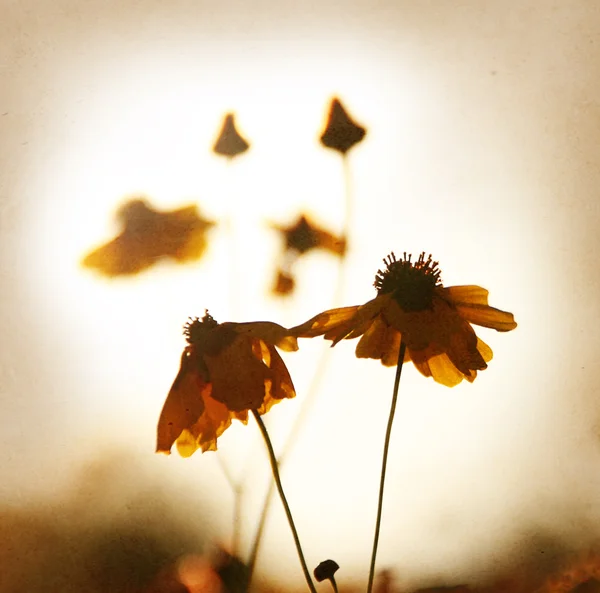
299,238
226,370
433,321
341,131
230,143
149,235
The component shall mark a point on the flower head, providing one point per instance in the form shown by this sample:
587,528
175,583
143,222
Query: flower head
341,131
300,238
433,321
226,370
148,235
230,143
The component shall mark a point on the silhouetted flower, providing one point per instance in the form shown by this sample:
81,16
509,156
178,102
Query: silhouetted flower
341,132
226,370
230,143
299,238
433,321
304,235
149,235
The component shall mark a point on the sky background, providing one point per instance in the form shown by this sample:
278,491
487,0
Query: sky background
482,148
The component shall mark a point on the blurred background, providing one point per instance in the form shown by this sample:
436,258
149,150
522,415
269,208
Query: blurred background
482,123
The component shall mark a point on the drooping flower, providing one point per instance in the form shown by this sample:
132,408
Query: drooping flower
341,131
149,235
230,143
226,370
433,321
299,238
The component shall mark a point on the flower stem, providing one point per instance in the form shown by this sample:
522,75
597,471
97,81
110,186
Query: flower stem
317,375
277,478
386,447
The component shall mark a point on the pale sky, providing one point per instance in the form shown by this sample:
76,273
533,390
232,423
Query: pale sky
483,124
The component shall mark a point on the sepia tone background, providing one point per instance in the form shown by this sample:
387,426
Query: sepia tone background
483,123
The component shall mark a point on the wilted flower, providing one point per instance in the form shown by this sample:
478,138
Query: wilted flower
226,370
432,321
341,131
299,238
230,143
149,235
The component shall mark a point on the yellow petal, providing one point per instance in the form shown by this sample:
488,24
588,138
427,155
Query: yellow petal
380,342
474,295
484,350
443,371
485,316
268,331
204,433
184,404
321,323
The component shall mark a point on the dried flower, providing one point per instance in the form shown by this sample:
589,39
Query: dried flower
226,370
230,143
433,321
341,132
149,235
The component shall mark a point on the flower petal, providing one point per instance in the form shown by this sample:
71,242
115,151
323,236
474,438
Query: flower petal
471,294
472,304
380,342
268,331
323,322
485,316
184,404
444,372
204,433
346,322
484,350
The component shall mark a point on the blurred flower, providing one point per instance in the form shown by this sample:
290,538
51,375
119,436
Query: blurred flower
284,283
230,143
304,235
341,131
433,321
226,370
149,235
300,238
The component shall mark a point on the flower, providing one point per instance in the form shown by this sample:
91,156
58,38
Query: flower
341,131
149,235
433,321
230,143
304,235
299,238
226,370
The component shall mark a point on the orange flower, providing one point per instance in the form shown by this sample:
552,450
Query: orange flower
149,235
226,370
433,321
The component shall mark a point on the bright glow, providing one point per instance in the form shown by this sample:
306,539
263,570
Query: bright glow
414,189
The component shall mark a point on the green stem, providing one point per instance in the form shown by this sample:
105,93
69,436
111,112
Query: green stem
386,447
277,478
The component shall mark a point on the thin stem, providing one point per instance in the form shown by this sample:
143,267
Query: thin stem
386,447
238,489
317,376
334,584
277,478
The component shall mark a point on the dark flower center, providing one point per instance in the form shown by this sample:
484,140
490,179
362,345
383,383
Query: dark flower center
196,330
412,284
207,336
